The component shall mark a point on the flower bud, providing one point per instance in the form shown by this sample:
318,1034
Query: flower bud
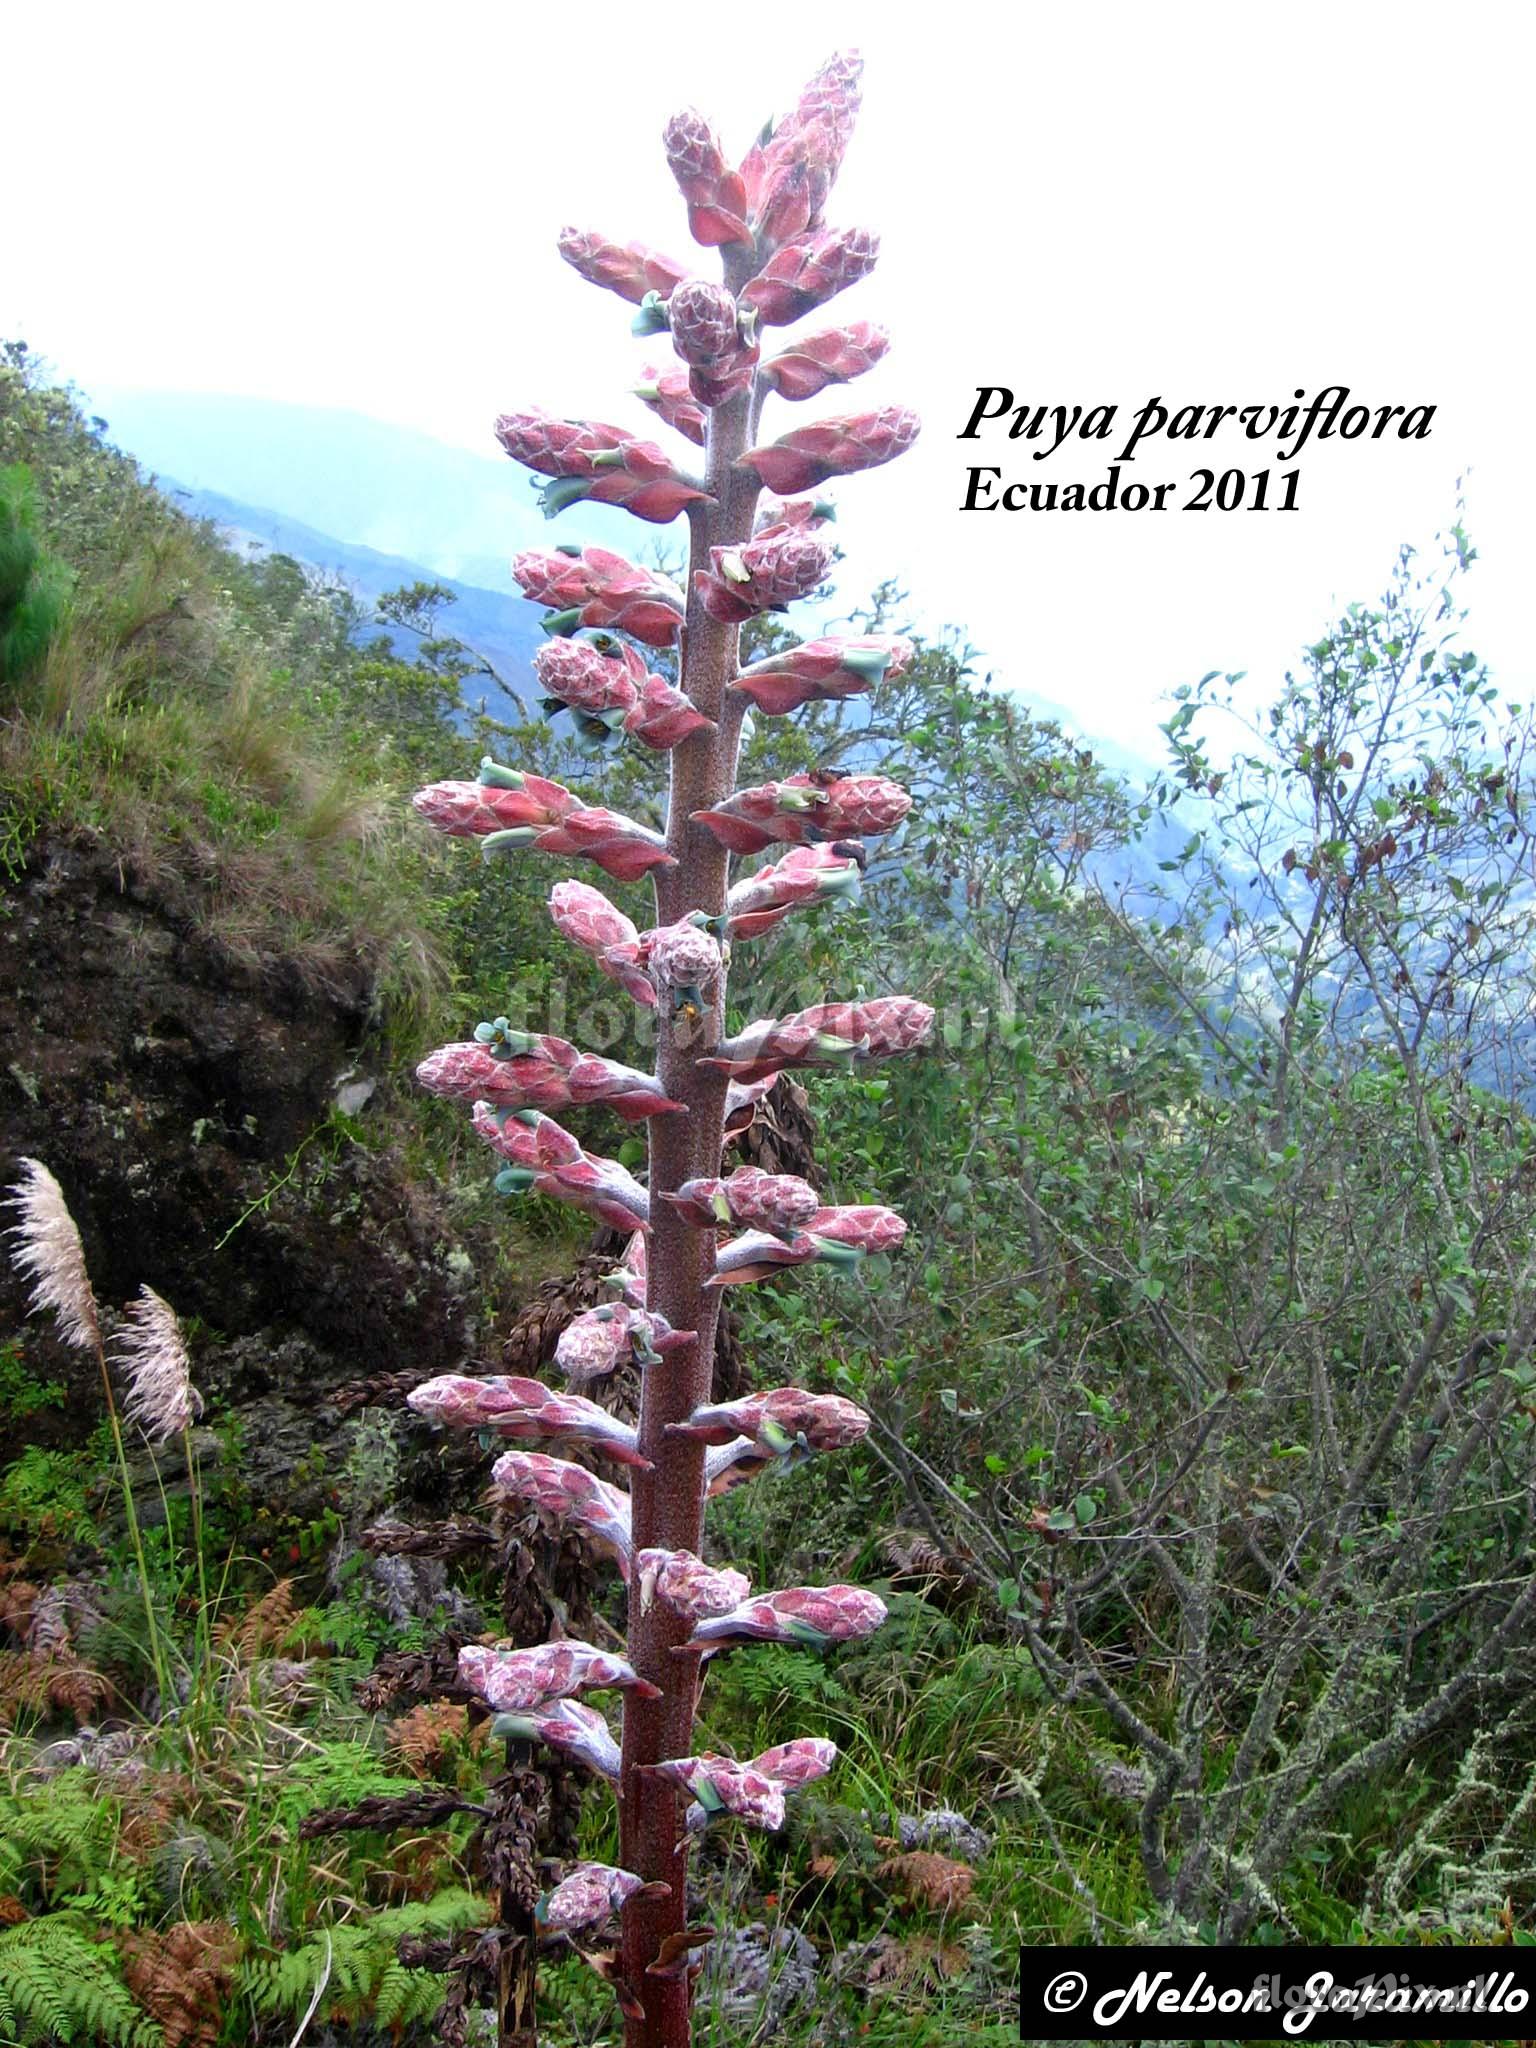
706,333
570,1493
620,846
806,809
544,1159
579,1731
820,671
804,274
668,394
502,800
809,874
580,676
814,1616
588,1897
834,447
687,1585
513,1681
663,717
685,963
586,917
603,590
524,1411
715,194
835,356
629,269
540,1072
720,1787
784,1420
764,574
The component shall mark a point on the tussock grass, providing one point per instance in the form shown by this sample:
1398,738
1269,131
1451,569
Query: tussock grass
207,741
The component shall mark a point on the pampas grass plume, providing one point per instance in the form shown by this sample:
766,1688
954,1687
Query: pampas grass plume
153,1354
46,1248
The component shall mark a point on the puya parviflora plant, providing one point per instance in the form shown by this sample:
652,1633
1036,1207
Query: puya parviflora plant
693,1231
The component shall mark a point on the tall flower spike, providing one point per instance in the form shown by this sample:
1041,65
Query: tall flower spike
525,1411
46,1251
749,553
584,915
716,196
513,1681
630,268
161,1397
834,447
570,1493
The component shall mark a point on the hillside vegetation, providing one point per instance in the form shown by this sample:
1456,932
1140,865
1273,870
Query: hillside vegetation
1200,1481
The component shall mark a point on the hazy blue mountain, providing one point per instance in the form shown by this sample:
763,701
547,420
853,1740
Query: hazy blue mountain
365,490
501,626
370,485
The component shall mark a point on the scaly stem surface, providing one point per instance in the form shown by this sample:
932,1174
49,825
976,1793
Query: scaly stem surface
668,1504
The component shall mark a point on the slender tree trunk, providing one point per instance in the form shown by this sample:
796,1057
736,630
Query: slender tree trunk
668,1504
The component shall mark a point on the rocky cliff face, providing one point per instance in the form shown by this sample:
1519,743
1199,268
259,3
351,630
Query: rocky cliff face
169,1087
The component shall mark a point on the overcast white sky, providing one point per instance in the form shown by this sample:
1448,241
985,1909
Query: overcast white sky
356,205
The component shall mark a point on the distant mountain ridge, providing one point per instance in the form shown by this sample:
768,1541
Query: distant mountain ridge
338,490
501,626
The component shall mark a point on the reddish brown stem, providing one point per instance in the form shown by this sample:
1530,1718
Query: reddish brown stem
668,1503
